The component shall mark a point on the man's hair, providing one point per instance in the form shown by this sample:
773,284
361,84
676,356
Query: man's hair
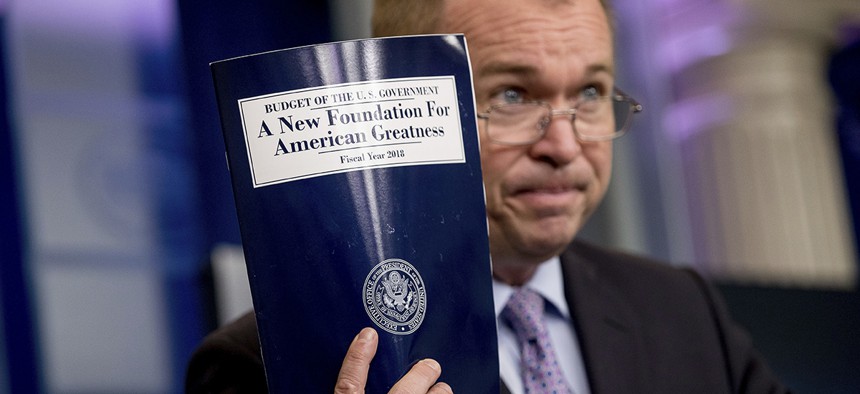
406,17
409,17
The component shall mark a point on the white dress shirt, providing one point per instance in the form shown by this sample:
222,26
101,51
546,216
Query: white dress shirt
547,281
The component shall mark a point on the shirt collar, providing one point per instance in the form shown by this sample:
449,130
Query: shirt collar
547,281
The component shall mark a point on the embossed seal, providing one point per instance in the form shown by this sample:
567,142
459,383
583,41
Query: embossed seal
394,296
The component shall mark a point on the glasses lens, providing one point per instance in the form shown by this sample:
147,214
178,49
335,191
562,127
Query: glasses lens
594,119
518,123
599,119
623,110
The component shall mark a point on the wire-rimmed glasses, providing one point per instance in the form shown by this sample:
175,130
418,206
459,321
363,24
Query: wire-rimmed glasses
524,123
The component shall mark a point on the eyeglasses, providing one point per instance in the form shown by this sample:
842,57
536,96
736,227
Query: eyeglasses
526,122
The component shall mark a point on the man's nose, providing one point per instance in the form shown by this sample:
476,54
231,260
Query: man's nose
559,145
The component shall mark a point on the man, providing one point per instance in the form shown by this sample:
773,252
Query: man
544,76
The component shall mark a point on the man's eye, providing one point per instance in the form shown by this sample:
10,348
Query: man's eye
590,93
510,95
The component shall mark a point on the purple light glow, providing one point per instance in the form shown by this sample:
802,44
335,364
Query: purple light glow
682,50
101,20
686,118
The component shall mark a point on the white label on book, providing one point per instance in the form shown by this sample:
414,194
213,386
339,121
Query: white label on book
331,129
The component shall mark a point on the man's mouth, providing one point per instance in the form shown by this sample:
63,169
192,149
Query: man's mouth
550,188
549,197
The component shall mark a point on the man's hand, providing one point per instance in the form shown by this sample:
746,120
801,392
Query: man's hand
353,373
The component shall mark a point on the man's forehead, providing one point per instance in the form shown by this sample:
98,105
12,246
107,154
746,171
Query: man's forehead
472,16
525,69
502,5
522,38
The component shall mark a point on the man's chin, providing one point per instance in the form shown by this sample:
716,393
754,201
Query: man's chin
532,240
538,250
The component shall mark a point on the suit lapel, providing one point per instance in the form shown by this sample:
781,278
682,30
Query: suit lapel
604,324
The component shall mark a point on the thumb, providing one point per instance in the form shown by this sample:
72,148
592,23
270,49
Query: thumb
356,363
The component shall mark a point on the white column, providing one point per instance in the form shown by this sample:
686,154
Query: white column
755,125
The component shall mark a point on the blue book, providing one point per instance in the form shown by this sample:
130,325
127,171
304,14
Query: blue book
357,180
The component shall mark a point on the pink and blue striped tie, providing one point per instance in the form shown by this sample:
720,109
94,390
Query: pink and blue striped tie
540,369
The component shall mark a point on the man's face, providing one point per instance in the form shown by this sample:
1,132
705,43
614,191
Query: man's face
539,195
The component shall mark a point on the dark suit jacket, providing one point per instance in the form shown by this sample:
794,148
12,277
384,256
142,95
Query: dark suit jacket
644,327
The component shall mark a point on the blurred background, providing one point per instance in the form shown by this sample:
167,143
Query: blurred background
116,204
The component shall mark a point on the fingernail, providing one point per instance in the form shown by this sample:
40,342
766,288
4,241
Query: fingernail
366,334
432,364
444,387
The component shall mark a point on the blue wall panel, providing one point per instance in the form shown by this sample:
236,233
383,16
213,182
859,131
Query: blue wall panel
21,352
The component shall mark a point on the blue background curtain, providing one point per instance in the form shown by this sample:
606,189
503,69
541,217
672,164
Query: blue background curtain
21,361
213,31
845,80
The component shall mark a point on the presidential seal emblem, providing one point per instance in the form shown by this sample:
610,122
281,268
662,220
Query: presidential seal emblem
394,296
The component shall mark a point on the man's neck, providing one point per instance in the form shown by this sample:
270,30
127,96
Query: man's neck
514,274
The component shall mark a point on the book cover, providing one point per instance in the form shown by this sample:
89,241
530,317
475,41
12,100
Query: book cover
357,180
